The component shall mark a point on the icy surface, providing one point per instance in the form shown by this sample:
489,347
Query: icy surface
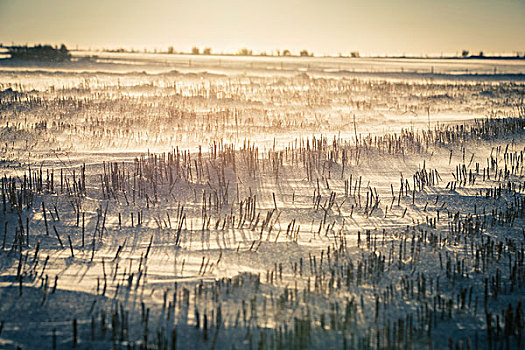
156,201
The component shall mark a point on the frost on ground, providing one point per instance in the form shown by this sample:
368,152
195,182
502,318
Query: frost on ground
269,211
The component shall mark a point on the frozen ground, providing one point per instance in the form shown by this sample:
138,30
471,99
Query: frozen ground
231,203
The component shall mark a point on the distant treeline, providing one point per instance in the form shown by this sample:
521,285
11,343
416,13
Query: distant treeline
195,50
39,53
208,51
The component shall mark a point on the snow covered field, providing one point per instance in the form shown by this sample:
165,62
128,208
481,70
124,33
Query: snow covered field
162,202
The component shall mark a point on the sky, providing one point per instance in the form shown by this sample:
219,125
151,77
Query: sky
326,27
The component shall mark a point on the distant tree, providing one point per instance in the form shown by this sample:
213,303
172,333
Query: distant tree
354,54
278,52
481,54
206,51
171,49
286,52
244,52
40,53
305,53
195,50
465,53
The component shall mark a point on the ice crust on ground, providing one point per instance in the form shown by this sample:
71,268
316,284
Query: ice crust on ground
263,204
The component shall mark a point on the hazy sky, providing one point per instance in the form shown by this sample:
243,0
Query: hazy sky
324,26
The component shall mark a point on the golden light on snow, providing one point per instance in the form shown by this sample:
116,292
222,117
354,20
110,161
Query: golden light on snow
167,200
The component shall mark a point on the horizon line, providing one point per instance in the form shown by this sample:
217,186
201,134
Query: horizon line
244,51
